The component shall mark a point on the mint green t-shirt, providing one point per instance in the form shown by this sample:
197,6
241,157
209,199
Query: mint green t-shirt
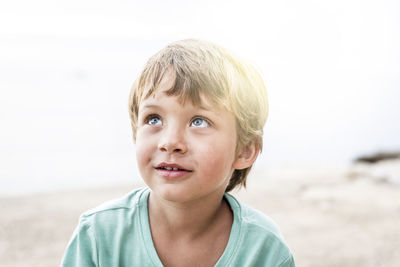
117,234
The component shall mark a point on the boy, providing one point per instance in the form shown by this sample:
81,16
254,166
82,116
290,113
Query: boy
197,115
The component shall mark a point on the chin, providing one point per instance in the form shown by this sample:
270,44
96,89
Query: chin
172,193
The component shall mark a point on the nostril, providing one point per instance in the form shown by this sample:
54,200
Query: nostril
172,148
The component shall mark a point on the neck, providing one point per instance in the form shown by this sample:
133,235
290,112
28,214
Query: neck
187,220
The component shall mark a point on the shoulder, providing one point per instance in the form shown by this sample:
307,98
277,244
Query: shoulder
115,211
256,219
127,201
103,231
261,238
253,218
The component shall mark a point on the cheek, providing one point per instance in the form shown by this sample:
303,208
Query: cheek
143,151
218,157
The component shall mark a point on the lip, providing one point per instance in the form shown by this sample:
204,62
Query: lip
171,174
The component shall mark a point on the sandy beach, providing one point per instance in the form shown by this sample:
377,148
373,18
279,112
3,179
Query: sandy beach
327,218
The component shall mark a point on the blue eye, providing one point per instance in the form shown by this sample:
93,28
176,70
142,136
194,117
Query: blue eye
199,122
153,120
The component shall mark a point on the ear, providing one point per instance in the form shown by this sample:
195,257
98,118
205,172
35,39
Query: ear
246,156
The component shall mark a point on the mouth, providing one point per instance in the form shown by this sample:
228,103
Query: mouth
171,167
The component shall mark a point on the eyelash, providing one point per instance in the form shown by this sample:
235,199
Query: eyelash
152,116
201,118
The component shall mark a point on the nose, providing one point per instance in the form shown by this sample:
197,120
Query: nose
173,141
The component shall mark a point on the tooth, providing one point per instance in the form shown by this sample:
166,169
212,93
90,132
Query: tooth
169,168
175,169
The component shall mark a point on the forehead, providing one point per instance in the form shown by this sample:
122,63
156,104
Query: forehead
157,98
168,87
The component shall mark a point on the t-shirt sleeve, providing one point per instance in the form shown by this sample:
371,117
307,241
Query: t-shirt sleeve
81,250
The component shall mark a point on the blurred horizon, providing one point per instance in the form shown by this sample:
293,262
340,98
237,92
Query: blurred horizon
331,70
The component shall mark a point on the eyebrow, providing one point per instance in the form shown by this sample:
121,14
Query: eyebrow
204,108
149,106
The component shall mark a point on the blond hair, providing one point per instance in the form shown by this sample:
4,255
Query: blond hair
205,69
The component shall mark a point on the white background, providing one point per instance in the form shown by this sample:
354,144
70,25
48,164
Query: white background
331,67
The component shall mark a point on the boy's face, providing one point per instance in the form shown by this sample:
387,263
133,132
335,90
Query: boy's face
184,152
